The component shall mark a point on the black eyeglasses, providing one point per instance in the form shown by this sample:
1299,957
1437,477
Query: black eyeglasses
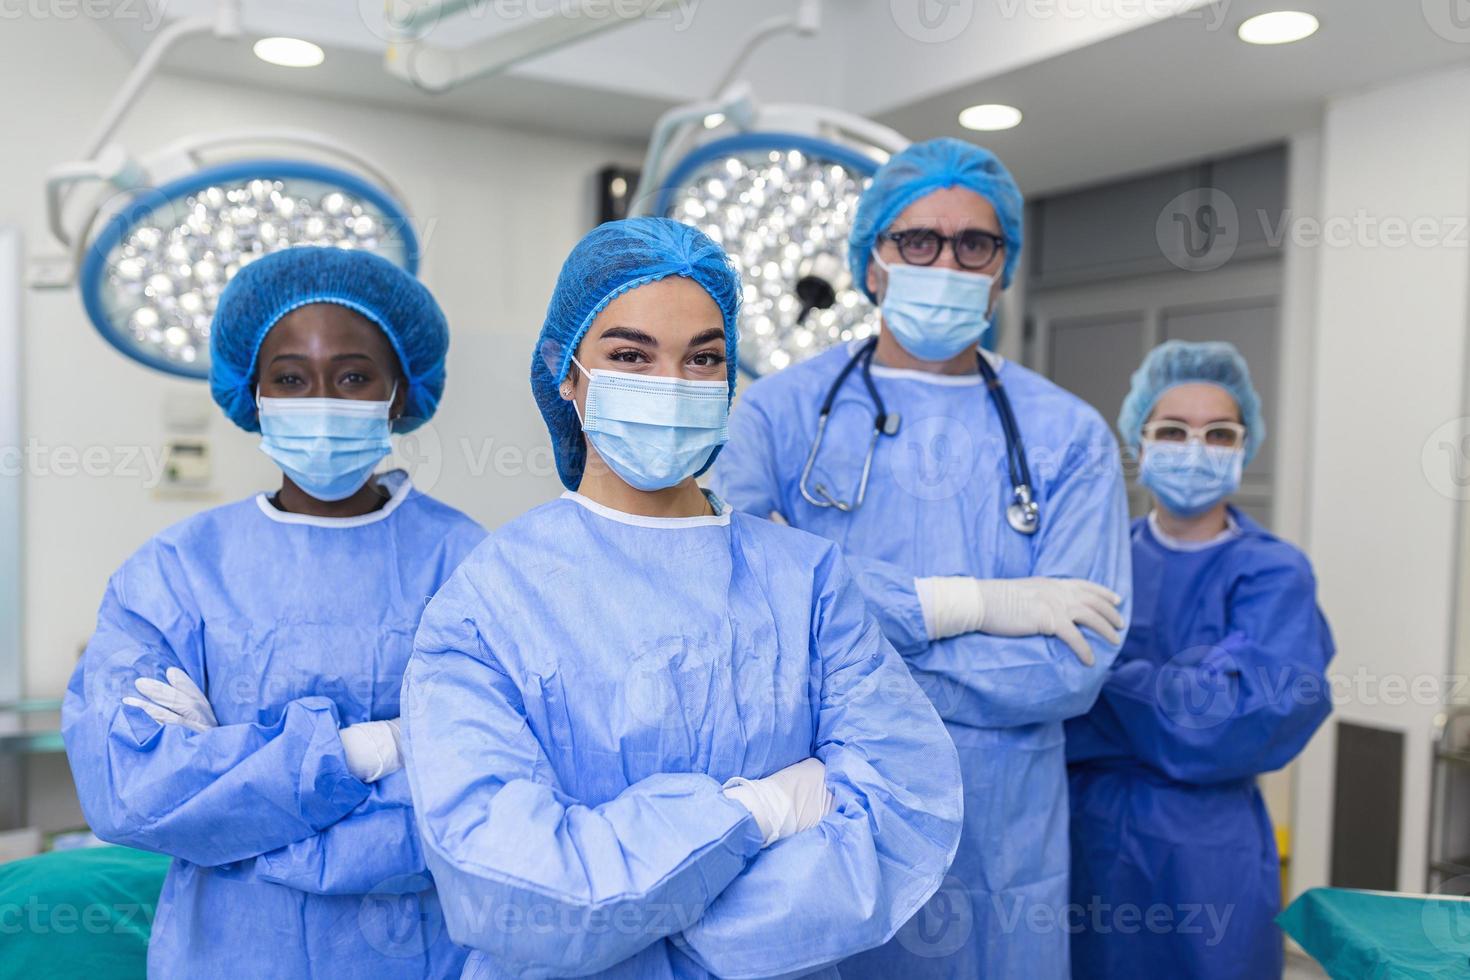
973,248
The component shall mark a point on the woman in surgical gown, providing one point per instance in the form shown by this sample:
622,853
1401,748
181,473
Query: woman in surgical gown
237,705
649,737
1174,865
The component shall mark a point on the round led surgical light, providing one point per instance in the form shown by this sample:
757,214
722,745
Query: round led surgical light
1278,27
151,278
289,52
991,117
782,205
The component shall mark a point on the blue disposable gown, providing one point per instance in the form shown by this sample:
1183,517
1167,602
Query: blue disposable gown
285,865
936,506
579,691
1222,677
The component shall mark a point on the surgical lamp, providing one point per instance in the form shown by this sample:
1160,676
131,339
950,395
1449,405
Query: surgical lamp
778,187
154,241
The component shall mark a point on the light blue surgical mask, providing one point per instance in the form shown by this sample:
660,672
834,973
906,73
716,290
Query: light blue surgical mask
654,431
935,313
1189,478
327,446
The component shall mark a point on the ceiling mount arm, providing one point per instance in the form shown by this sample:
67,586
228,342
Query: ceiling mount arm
437,69
737,104
225,24
805,21
112,165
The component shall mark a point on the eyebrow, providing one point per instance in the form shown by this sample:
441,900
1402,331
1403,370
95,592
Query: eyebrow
934,226
1175,418
628,333
712,334
352,356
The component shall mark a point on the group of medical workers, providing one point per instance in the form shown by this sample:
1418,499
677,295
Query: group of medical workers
830,715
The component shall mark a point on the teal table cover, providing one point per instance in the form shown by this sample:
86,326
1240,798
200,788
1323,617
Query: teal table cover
85,913
1366,935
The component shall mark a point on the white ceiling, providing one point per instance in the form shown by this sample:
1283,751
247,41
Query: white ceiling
1108,87
1181,89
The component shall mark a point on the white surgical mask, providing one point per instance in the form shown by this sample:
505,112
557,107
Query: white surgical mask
935,313
1190,478
327,446
654,431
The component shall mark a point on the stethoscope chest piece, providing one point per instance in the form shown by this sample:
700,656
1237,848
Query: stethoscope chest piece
1023,514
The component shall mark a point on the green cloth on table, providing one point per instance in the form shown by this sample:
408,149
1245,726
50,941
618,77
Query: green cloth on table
1382,936
82,913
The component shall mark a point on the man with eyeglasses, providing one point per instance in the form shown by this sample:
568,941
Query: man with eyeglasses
1007,606
1223,677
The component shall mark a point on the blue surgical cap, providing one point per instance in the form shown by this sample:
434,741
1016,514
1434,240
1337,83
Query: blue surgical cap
613,259
1177,362
270,287
921,170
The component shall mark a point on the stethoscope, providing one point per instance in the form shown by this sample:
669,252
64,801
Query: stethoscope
1023,513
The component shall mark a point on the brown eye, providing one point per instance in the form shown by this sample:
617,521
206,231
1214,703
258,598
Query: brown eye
1225,435
918,246
1168,432
975,249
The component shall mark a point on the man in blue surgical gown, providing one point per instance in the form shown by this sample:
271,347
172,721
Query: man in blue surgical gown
1009,633
237,706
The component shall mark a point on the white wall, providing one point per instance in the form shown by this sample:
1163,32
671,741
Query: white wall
500,208
1388,370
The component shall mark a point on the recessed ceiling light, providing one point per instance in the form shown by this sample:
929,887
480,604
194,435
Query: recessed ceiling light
714,120
991,117
289,52
1278,27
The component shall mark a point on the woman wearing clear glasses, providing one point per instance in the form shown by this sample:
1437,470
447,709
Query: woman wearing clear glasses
1174,864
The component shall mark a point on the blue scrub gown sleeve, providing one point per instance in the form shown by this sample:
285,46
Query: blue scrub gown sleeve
373,850
544,883
1001,682
1243,706
211,798
894,599
849,883
745,474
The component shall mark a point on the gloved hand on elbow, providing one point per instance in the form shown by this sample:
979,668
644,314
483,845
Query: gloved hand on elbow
373,749
1021,607
787,801
177,702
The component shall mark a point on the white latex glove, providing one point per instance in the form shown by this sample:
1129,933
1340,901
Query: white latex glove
1021,607
178,702
373,749
785,802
